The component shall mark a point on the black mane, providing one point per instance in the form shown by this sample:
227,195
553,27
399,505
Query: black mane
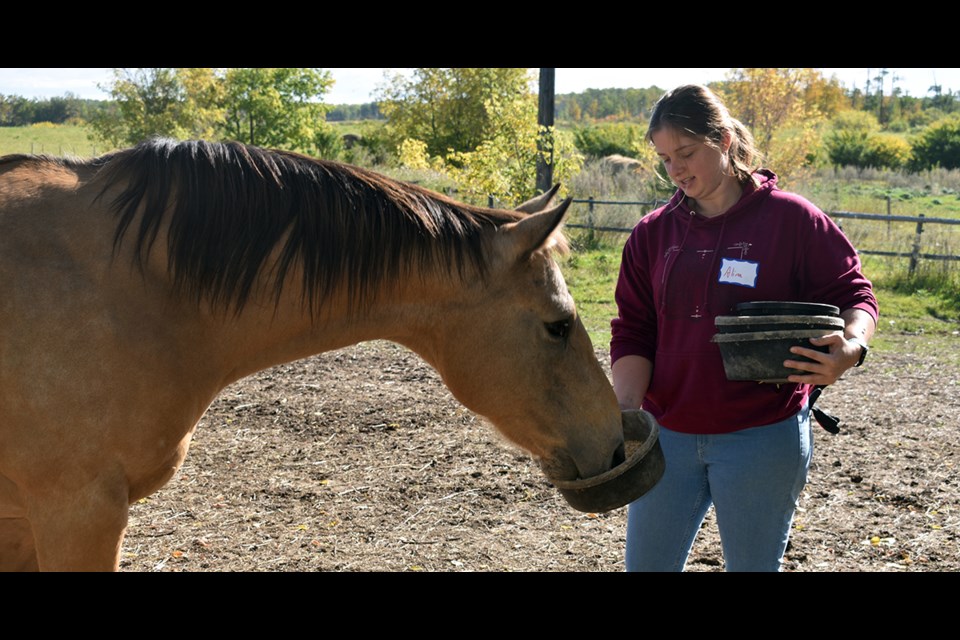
228,206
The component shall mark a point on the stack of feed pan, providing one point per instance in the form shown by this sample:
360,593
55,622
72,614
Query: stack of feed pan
755,342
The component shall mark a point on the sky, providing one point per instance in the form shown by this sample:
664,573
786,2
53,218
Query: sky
356,85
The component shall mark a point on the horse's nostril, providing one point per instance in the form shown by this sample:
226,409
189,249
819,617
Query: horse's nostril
619,456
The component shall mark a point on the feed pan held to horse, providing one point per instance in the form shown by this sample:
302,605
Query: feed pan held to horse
632,478
135,286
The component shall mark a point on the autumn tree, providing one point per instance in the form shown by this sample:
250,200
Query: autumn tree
271,107
447,108
773,103
827,95
277,107
504,165
478,126
178,103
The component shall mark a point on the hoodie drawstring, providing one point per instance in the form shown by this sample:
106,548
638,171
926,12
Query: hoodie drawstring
674,254
710,272
668,266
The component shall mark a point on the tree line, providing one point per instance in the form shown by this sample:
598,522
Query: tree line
18,111
894,110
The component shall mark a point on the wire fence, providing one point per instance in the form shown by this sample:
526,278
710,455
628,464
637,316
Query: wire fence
79,150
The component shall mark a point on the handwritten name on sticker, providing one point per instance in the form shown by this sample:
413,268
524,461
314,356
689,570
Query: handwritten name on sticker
739,272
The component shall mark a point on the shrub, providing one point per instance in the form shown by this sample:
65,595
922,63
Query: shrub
847,140
846,148
376,145
610,138
886,151
938,145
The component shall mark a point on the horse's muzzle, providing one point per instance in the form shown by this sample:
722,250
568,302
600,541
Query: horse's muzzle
640,467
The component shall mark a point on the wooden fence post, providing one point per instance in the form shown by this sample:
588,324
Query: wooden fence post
888,215
590,220
915,255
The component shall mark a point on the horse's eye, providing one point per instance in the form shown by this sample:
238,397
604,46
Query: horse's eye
559,329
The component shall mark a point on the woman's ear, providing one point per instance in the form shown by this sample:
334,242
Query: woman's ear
726,140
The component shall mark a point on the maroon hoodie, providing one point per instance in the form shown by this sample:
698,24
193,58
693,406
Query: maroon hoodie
680,270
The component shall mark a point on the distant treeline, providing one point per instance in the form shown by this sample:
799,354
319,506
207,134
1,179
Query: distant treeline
636,104
589,105
341,112
592,104
603,104
17,111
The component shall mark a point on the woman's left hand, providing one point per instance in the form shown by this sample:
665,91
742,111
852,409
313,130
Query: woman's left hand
827,367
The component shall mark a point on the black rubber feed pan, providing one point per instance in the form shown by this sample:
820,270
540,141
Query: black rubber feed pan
755,343
752,324
782,308
759,356
621,485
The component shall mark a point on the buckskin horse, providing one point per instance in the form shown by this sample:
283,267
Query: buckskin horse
135,286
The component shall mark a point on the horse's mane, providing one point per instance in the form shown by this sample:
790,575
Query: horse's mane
228,206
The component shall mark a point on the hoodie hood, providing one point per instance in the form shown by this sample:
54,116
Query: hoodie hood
754,192
764,181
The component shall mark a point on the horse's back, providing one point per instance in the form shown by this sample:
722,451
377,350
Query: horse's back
25,178
42,204
50,231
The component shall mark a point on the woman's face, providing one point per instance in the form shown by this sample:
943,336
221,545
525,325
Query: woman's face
694,166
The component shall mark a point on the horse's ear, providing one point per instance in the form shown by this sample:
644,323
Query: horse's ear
534,232
540,202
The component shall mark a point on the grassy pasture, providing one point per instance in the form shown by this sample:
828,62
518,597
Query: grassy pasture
50,139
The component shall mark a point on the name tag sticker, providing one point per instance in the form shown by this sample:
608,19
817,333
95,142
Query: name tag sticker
739,272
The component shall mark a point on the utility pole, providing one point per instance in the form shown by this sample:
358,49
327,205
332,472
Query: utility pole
545,137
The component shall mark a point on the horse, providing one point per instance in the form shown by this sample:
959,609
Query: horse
137,285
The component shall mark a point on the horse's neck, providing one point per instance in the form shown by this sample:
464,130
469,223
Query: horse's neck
267,333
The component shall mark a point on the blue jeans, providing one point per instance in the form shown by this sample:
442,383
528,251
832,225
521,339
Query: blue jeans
753,478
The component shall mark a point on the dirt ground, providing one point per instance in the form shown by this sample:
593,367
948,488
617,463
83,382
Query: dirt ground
360,460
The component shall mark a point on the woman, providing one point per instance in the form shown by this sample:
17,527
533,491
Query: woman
727,236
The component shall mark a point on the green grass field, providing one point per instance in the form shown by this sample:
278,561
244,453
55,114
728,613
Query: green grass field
934,193
50,139
76,140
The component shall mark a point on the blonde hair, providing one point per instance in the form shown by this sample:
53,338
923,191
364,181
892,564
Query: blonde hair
697,111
